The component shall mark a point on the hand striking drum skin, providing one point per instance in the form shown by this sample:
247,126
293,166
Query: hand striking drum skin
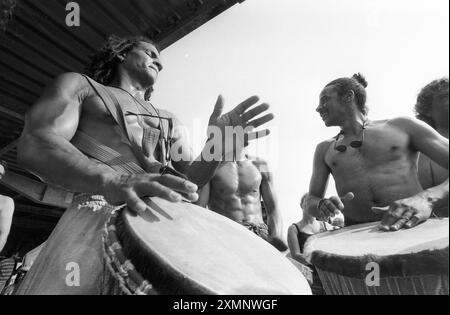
413,261
180,248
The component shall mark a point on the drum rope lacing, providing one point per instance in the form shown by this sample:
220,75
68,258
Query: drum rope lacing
130,280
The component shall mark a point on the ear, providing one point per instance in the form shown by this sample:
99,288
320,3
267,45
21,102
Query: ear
349,96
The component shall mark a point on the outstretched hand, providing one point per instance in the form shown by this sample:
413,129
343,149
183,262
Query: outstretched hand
241,116
404,213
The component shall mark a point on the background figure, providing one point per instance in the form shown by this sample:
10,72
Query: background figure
6,213
300,231
432,108
373,163
236,191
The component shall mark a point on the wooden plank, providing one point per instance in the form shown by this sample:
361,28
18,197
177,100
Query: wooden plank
11,113
8,148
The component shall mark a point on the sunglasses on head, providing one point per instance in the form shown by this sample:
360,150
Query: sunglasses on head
354,144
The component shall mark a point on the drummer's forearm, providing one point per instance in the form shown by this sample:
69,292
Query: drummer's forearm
275,225
202,170
437,195
269,198
58,162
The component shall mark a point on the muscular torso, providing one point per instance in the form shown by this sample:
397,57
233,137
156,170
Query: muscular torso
383,170
97,122
235,192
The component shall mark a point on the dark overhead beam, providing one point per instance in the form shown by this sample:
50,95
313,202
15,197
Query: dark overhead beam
204,12
8,148
11,113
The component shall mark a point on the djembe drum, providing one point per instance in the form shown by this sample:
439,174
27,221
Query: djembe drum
413,261
180,248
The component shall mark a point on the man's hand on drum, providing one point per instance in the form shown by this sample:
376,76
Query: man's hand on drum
330,207
130,189
242,116
404,213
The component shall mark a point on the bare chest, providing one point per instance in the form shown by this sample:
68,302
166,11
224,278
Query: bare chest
137,114
382,148
238,178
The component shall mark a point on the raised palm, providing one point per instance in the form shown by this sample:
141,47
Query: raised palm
241,116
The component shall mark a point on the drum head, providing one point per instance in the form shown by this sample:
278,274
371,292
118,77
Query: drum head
367,239
412,261
197,251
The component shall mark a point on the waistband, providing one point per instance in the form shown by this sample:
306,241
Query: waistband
94,202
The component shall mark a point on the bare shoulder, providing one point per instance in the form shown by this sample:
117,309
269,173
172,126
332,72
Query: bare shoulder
262,165
404,122
258,162
68,85
6,203
72,81
323,146
411,125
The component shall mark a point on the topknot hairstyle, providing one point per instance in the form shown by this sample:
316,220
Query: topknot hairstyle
357,83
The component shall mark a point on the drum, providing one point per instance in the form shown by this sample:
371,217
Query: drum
361,259
180,248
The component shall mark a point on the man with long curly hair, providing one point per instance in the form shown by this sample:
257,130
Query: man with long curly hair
97,135
432,108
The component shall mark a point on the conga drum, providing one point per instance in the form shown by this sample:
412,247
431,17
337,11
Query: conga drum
361,259
181,248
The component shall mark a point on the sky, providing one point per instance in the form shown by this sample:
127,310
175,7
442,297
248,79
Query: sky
286,51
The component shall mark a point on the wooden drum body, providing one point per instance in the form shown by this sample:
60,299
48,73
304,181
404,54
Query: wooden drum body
361,259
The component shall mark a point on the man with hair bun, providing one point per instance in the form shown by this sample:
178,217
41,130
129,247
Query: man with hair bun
374,165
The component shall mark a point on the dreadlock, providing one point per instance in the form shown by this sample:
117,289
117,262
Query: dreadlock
103,64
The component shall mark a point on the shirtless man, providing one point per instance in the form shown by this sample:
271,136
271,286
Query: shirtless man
113,152
236,190
432,108
6,213
374,164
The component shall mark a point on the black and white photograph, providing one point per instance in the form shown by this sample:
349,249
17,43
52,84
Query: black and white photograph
221,154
